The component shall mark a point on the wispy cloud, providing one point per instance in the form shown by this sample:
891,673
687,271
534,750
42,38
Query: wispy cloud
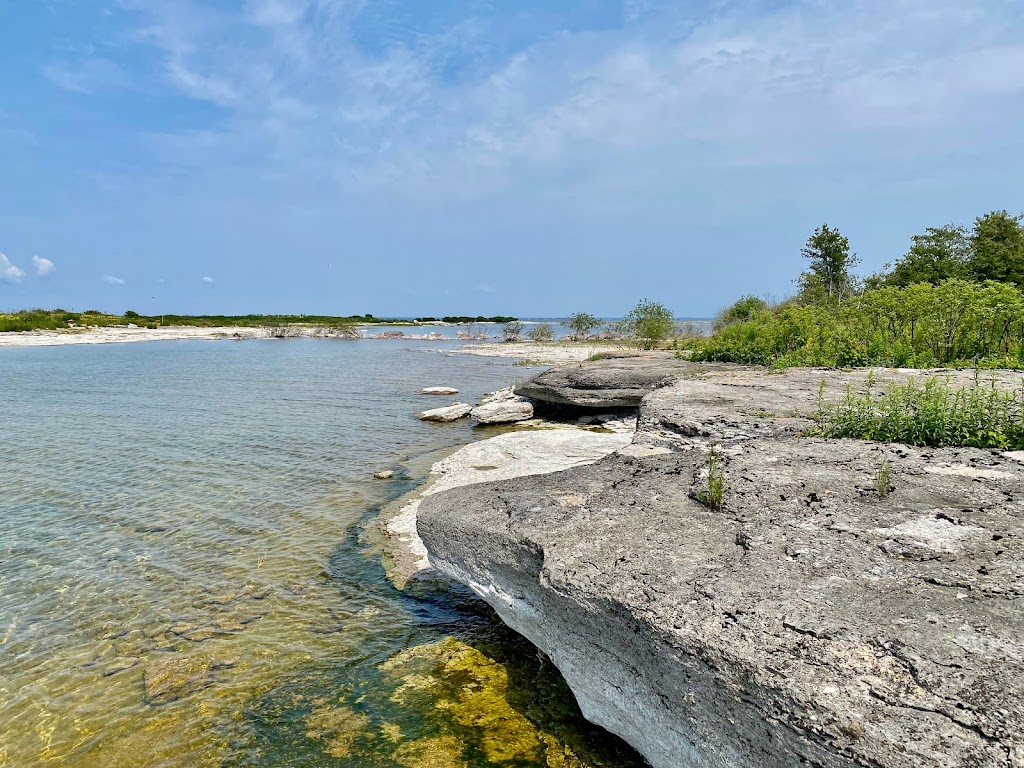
44,267
86,75
754,86
112,280
8,272
208,280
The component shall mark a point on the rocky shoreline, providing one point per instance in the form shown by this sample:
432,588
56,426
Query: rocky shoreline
809,621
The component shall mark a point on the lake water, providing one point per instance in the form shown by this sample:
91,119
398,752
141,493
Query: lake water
194,515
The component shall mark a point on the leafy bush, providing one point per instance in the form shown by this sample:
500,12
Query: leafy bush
740,312
933,414
541,333
581,325
512,331
956,322
648,324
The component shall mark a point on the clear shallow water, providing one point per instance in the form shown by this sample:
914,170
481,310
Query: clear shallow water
189,515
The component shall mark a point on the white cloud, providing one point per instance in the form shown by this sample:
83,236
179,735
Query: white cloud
9,272
43,266
753,86
207,280
111,280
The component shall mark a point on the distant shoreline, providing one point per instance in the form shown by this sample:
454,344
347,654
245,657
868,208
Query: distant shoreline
559,352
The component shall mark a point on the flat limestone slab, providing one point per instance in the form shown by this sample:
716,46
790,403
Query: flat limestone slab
513,454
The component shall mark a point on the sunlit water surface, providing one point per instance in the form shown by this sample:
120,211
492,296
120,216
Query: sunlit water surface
186,578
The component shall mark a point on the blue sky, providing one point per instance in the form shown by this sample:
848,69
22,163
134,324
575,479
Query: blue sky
534,158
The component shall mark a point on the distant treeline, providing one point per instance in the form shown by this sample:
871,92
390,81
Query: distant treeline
53,319
467,319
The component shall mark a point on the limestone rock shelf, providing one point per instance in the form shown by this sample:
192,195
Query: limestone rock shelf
811,622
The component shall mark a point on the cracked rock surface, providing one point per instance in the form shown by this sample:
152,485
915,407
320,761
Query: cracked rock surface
812,621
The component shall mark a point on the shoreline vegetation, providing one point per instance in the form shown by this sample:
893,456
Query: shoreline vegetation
954,300
62,319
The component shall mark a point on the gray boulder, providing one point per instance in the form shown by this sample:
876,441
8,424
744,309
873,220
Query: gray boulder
613,383
503,407
448,413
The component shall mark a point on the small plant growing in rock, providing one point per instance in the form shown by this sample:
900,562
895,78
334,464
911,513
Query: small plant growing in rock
883,479
714,494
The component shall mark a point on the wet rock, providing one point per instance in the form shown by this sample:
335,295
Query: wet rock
449,413
387,474
170,680
200,635
120,665
182,627
229,625
439,391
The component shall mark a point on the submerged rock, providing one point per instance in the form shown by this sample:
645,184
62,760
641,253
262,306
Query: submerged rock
811,621
439,391
449,413
170,680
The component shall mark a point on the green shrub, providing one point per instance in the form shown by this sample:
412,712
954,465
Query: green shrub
542,333
713,495
743,310
956,322
581,325
648,324
933,414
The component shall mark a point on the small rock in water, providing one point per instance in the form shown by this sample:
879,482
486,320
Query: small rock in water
451,413
227,625
200,635
120,665
168,681
387,474
439,391
181,628
222,599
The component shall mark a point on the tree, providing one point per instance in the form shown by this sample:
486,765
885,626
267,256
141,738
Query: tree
542,333
997,242
648,324
940,254
130,314
828,279
581,324
512,331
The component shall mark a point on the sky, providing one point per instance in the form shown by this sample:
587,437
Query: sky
533,158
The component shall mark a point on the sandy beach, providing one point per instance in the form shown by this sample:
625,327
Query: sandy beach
544,354
119,334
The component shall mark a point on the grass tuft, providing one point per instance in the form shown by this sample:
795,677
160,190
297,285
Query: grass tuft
713,495
933,414
883,479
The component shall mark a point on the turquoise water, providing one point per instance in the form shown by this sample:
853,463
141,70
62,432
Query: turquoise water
185,578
